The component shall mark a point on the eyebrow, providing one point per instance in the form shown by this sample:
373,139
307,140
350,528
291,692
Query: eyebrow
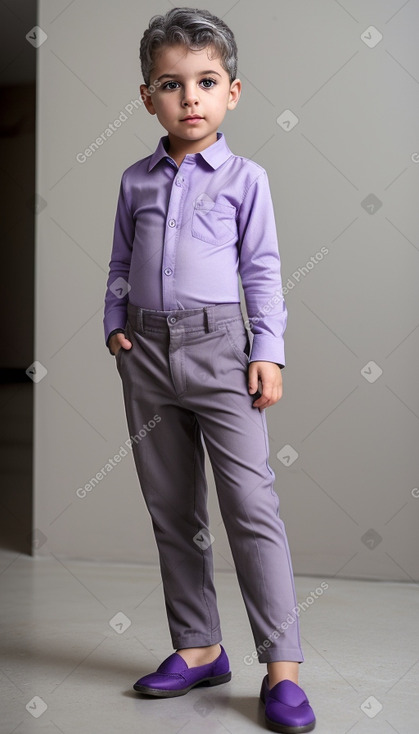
200,73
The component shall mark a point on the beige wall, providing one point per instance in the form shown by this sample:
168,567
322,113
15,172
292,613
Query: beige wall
348,500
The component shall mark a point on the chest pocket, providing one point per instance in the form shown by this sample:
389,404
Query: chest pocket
213,222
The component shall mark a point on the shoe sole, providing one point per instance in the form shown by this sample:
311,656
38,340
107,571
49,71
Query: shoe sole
161,693
284,729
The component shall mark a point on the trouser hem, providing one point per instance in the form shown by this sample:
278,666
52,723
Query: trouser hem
196,641
274,655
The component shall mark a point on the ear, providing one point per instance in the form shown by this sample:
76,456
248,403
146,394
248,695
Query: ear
146,97
234,96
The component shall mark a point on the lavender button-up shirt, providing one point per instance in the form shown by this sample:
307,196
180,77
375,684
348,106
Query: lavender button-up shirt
184,233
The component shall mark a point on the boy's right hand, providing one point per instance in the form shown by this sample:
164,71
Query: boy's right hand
117,342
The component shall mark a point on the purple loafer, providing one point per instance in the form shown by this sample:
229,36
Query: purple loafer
287,709
174,678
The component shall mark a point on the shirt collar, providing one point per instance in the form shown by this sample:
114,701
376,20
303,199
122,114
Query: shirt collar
215,155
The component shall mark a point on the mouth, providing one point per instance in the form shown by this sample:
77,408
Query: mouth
191,118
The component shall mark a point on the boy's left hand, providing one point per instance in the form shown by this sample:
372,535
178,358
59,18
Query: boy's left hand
268,374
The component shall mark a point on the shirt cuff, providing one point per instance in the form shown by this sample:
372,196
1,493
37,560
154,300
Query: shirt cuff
267,348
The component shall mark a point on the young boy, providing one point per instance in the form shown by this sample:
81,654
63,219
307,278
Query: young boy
190,218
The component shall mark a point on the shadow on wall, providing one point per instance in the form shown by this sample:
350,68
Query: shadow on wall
17,150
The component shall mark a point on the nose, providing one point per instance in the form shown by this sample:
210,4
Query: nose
190,96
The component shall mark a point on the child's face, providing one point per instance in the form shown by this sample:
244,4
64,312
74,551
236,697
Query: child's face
190,83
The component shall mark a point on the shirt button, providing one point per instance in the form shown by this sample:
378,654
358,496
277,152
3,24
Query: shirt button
179,181
172,319
172,223
168,271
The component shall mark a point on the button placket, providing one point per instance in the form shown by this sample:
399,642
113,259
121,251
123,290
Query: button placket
170,242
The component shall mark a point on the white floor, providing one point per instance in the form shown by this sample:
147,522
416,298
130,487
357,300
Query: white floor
67,667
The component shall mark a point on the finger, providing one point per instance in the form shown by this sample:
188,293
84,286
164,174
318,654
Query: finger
124,342
269,396
261,402
253,378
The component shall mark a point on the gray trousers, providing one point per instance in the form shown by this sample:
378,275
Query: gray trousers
184,383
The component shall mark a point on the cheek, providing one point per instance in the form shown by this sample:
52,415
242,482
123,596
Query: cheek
165,103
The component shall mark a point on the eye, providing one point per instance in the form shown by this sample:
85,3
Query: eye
171,85
208,83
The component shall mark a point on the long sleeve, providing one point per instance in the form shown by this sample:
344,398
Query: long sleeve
260,272
115,314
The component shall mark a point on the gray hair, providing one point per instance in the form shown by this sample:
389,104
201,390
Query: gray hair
193,28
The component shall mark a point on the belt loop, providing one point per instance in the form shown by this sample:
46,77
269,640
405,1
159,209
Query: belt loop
140,322
209,318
